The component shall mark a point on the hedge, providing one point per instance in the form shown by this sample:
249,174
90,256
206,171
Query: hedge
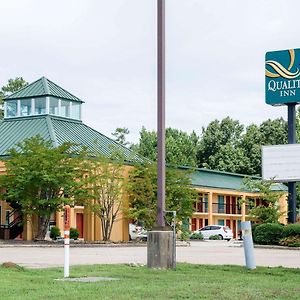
268,234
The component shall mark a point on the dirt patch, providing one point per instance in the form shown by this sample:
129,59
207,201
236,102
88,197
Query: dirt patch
11,265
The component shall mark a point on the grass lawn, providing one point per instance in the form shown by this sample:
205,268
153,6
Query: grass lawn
186,282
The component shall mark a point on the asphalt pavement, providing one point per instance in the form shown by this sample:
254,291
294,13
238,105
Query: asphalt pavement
198,252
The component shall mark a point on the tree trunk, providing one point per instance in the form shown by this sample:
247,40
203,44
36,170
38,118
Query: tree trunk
43,222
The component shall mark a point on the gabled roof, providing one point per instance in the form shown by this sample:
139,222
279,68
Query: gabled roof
58,130
42,87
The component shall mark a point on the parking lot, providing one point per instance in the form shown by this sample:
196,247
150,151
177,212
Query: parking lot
203,252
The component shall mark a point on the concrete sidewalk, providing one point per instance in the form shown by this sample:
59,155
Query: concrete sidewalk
207,252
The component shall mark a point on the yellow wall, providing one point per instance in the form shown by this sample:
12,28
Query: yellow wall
92,226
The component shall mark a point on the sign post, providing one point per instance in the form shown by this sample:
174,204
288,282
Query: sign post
283,88
67,241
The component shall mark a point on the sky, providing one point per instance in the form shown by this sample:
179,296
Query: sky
104,52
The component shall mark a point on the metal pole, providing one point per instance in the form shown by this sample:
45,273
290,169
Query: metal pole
292,140
160,220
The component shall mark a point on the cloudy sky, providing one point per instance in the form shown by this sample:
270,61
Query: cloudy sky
104,52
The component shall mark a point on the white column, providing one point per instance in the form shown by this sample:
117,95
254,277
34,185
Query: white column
18,108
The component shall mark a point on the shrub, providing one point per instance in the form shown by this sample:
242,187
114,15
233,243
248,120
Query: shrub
196,236
291,230
54,233
74,233
291,241
184,235
215,237
268,234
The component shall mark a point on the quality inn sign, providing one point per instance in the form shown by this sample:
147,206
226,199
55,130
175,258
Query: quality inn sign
283,77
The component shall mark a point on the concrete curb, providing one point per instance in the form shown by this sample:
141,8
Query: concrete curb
60,244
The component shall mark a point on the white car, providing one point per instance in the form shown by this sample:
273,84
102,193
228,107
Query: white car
137,232
224,232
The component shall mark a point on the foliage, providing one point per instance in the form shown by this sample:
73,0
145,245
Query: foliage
268,234
142,191
184,235
181,148
291,230
262,213
196,236
217,135
12,86
290,241
40,179
120,135
224,145
74,233
104,184
54,233
215,237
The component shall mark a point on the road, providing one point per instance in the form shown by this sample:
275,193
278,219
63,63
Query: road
207,252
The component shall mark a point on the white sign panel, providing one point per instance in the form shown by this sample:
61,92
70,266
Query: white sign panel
281,162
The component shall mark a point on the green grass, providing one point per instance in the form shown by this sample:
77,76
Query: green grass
186,282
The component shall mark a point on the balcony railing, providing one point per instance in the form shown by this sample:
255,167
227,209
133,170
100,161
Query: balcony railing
234,209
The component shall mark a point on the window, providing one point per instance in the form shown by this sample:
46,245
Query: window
40,106
220,204
25,107
221,222
53,106
12,108
65,108
76,110
202,204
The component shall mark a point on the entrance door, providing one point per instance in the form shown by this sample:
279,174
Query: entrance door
79,224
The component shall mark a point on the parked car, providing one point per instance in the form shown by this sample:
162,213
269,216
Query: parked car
137,232
224,232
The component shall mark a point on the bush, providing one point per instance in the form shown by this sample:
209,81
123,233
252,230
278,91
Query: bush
54,233
196,236
74,233
215,237
291,241
268,234
184,235
291,230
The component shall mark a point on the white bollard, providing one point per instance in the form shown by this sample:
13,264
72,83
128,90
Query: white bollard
67,254
67,241
248,245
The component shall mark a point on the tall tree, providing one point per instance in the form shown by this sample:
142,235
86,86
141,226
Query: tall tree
38,178
120,135
104,186
214,137
181,147
142,191
12,86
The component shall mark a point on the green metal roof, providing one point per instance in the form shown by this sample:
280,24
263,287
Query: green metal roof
58,130
43,87
224,180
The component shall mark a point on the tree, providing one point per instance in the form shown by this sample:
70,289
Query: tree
142,192
214,137
104,188
41,179
270,212
120,135
181,147
12,86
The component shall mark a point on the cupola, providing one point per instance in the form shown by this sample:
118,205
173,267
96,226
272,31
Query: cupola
42,97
